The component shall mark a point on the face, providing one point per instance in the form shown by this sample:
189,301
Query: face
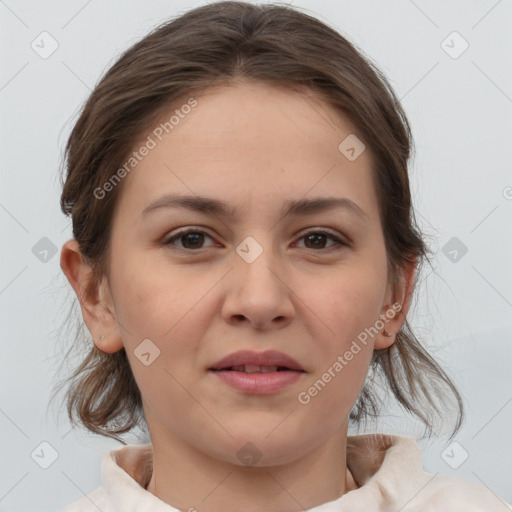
306,284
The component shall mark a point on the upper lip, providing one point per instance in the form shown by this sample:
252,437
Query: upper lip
267,358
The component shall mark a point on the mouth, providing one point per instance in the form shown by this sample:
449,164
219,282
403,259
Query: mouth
248,368
247,361
257,380
258,373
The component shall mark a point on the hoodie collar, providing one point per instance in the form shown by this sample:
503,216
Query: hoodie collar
379,463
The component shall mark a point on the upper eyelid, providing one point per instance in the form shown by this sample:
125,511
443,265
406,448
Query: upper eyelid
343,239
194,229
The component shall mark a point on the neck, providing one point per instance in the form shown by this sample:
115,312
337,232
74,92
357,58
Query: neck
188,479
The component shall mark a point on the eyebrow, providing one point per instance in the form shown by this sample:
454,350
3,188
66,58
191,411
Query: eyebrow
215,207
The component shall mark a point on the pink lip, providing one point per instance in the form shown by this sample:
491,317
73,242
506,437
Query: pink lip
258,383
267,358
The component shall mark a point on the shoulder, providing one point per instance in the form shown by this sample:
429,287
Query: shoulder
456,495
390,469
92,502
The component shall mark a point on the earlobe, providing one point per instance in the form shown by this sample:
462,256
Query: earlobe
386,337
108,345
97,314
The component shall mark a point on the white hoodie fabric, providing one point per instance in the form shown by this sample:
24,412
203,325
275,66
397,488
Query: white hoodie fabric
390,482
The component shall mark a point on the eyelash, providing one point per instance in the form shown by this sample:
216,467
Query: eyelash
340,243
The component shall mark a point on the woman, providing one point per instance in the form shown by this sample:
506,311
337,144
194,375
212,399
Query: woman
244,254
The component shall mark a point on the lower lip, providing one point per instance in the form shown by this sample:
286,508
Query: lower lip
258,383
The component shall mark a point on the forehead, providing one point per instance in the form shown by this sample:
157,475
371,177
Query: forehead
247,144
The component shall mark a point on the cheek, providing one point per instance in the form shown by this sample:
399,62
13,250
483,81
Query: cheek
350,306
333,389
350,301
171,307
154,296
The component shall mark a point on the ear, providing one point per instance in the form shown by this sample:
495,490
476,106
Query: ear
393,315
94,297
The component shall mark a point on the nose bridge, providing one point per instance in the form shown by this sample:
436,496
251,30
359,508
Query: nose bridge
257,259
257,291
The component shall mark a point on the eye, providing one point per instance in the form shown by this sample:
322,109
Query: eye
317,238
192,239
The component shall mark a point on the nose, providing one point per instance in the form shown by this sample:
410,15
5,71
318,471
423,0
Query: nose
258,294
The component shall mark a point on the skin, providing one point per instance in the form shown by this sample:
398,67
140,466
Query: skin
252,146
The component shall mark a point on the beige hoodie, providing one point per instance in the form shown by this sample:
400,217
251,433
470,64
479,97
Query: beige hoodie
388,470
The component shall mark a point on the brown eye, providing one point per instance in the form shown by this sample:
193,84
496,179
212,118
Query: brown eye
318,239
193,239
190,239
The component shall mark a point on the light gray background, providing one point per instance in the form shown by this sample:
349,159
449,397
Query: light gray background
461,113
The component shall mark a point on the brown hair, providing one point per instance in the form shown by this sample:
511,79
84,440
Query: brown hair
217,44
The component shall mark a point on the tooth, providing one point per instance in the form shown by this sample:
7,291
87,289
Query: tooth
251,368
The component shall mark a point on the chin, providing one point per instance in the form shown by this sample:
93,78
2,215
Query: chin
256,448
